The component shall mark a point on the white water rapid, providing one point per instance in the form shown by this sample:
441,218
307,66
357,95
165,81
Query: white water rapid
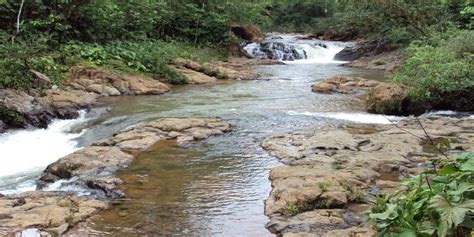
292,50
24,154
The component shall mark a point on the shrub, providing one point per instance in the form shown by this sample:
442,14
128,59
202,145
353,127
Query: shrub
439,71
437,202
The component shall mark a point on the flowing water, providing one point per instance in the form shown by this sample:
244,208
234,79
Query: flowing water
213,187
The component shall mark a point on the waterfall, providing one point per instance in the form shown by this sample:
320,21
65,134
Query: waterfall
290,49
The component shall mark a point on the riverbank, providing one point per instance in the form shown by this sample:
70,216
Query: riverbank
87,84
331,176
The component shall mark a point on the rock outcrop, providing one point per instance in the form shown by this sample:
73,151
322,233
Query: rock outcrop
95,165
247,32
344,84
52,212
330,176
363,49
388,98
108,83
93,168
387,61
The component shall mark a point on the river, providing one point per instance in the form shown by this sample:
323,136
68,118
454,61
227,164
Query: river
214,187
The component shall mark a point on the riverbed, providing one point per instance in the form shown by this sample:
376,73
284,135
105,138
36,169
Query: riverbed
216,187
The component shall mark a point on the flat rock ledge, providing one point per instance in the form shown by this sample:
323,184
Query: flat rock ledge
344,85
94,168
331,177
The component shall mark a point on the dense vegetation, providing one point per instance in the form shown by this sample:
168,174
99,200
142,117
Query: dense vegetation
437,202
145,35
135,35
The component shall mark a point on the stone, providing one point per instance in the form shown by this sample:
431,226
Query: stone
51,211
40,80
67,99
110,91
387,61
95,165
96,88
145,86
352,232
387,98
337,169
194,77
247,32
343,84
363,49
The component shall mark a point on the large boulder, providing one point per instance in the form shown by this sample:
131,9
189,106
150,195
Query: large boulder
363,49
247,32
387,98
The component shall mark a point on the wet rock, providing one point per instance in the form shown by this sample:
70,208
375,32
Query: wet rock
247,32
363,49
95,165
387,98
343,84
338,169
387,61
51,211
89,162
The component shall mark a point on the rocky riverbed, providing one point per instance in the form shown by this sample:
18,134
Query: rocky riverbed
94,169
331,176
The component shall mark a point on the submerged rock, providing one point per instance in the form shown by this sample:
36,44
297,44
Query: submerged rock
329,171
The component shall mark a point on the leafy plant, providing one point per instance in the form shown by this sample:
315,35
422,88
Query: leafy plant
291,209
439,71
437,202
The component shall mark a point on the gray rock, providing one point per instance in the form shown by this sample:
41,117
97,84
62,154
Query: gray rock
40,79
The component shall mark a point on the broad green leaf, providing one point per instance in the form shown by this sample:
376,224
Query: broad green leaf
468,165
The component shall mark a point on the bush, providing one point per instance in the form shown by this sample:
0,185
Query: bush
439,71
438,202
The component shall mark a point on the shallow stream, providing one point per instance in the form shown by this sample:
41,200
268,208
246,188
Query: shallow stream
213,187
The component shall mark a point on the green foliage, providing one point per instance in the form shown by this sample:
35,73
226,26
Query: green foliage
437,202
291,209
324,186
439,71
299,15
353,193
